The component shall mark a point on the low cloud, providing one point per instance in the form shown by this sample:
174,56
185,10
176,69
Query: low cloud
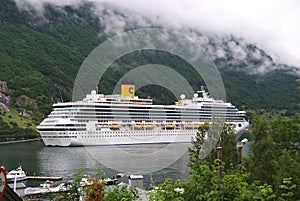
271,25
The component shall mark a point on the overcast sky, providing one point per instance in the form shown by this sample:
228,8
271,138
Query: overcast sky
272,25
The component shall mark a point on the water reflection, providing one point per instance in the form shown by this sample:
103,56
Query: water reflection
64,161
37,159
136,159
25,154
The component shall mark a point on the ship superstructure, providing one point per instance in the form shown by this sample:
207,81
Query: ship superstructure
122,119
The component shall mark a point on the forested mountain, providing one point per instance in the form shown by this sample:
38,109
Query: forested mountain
40,55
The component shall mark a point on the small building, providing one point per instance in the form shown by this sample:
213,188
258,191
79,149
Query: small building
135,181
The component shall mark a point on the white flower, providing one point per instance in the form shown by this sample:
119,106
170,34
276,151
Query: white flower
179,190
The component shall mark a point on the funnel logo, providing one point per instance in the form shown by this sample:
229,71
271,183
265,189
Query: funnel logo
154,39
130,90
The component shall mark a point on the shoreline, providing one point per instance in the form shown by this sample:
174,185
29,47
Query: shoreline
18,141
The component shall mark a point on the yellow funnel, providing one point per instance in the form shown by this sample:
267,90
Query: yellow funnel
127,90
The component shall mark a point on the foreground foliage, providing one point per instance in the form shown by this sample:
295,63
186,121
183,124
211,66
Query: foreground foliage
98,191
271,172
276,152
204,184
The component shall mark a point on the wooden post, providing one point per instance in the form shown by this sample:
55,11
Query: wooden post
240,157
219,156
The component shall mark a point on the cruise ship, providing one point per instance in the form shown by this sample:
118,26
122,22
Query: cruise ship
126,119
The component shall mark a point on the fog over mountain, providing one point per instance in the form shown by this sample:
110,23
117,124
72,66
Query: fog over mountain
255,37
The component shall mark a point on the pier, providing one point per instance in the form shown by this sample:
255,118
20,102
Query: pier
44,178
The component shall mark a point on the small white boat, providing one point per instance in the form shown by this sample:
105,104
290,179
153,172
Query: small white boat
17,174
47,184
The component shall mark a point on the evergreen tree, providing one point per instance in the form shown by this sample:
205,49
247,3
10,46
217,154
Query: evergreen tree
261,163
264,161
285,133
228,143
195,153
296,174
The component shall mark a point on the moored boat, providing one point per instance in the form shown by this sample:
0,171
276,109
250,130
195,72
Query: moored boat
17,174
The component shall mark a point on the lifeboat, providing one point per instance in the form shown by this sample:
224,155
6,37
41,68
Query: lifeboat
114,125
149,125
170,125
197,125
138,125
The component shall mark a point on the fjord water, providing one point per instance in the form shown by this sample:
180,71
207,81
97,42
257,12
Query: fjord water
36,159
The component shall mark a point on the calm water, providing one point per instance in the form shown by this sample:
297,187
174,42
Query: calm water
159,161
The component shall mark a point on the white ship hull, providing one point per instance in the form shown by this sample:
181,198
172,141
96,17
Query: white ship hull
125,138
111,138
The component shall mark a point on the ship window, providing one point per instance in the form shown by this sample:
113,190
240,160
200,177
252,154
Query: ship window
239,125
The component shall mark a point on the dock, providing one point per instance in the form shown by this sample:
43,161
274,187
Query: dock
43,178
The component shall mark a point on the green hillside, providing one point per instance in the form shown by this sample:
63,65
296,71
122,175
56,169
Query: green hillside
40,57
